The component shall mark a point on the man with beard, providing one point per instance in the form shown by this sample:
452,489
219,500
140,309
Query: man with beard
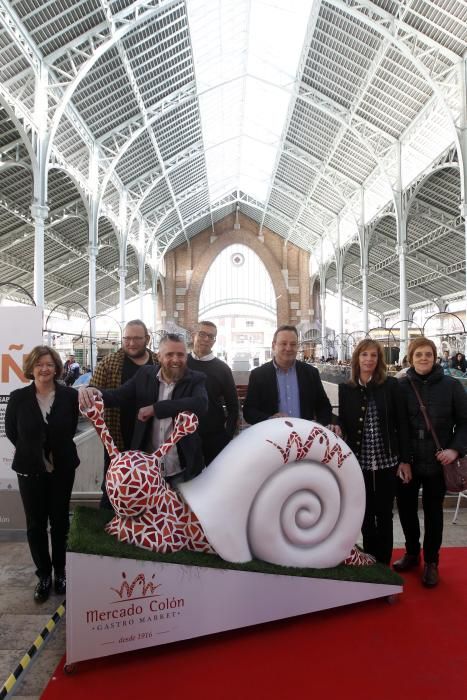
160,393
113,371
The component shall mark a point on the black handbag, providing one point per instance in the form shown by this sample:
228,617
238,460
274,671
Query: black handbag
455,473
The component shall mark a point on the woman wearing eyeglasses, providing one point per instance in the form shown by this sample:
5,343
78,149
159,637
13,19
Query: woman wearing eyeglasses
445,403
41,421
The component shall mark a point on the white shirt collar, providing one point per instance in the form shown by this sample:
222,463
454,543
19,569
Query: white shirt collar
205,358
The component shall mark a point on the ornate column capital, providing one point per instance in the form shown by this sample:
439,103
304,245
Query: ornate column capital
39,211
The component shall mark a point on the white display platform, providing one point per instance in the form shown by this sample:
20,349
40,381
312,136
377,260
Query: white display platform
116,605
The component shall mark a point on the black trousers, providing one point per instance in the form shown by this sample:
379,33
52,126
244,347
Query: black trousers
433,491
105,502
213,443
46,498
380,490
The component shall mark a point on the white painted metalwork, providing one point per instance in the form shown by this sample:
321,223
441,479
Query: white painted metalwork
290,112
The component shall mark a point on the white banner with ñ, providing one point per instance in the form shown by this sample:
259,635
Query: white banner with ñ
21,330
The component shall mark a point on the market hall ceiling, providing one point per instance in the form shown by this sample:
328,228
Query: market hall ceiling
177,114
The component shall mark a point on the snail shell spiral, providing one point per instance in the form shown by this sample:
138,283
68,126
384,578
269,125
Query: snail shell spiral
286,491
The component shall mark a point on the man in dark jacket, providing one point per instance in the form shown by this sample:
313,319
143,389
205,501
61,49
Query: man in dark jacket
286,387
218,426
113,371
160,393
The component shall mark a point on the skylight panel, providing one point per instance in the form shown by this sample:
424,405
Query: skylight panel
246,56
429,136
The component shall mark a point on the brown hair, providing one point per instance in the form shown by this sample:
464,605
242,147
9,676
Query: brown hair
379,375
418,343
137,322
284,328
34,356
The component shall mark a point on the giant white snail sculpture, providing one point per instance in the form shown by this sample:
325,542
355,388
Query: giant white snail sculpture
286,491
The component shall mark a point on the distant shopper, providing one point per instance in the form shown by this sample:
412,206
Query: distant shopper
446,404
218,426
40,421
444,361
71,370
458,362
373,419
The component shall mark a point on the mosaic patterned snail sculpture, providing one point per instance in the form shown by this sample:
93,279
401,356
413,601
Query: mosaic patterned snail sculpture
286,491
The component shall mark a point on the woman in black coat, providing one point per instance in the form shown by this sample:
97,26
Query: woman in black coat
446,404
373,420
40,421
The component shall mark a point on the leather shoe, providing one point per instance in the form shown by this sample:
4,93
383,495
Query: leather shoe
407,562
430,576
60,584
42,590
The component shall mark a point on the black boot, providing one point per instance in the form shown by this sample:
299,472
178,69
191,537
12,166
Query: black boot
42,590
60,583
407,562
430,575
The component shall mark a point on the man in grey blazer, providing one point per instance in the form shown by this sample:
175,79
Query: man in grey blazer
286,387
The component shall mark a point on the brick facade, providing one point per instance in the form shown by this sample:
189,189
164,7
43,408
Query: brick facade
187,266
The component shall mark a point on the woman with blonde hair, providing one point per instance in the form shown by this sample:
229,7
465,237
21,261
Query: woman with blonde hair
445,402
373,419
41,421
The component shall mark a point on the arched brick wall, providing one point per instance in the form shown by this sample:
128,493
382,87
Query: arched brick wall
202,266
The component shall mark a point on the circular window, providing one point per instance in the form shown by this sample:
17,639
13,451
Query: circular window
237,259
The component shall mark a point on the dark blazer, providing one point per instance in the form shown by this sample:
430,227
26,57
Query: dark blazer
262,398
26,429
189,394
392,416
446,404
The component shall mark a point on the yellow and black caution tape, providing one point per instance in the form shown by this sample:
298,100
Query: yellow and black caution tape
36,645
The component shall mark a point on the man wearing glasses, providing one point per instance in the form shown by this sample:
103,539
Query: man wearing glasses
218,426
113,371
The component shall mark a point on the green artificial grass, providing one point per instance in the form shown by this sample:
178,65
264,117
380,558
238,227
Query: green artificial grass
87,536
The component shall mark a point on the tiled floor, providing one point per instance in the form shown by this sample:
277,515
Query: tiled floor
21,620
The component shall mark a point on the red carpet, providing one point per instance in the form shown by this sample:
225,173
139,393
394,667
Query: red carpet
415,648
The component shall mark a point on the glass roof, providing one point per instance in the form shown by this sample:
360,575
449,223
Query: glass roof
246,60
302,116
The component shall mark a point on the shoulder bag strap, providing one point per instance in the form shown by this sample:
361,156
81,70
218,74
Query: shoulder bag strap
428,422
